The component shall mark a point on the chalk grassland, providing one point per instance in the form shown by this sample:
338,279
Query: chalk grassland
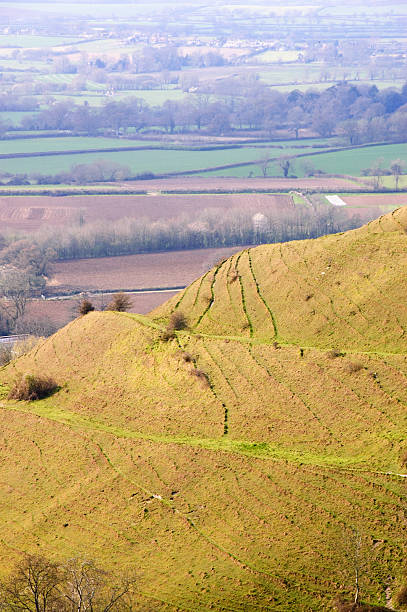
321,285
227,465
31,213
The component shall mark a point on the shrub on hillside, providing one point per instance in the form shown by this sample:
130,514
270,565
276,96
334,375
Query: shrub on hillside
30,387
354,366
120,303
177,321
167,335
333,354
85,306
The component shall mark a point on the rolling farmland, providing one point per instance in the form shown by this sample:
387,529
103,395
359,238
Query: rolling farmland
26,156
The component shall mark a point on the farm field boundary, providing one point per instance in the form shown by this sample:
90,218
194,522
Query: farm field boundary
95,292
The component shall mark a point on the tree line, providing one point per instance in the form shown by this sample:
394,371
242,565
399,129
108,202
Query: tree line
209,228
362,113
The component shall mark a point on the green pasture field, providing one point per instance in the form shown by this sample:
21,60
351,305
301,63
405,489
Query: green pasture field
271,57
389,182
158,161
389,8
68,78
354,161
154,97
57,78
10,64
34,145
341,162
112,46
15,117
30,41
307,76
104,10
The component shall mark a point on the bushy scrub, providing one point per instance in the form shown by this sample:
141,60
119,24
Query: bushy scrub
30,387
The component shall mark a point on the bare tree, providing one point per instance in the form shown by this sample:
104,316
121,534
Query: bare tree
264,164
285,164
356,560
85,306
89,589
120,303
396,167
16,291
34,586
377,171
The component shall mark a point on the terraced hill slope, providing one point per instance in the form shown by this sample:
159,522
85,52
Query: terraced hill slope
231,464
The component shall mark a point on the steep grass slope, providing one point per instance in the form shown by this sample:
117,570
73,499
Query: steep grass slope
342,290
230,465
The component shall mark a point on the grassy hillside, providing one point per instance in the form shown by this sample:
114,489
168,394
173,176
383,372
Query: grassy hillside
229,465
343,291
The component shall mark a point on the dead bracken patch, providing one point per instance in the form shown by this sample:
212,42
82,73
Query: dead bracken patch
201,375
233,276
333,354
354,366
30,387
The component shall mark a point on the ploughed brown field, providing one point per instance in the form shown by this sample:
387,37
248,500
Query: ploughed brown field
384,200
191,183
173,269
170,269
32,212
370,206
